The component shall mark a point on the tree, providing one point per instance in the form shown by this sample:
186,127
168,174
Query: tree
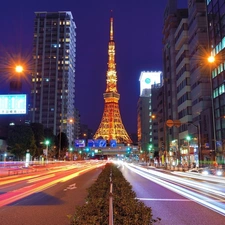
48,135
64,143
20,139
38,131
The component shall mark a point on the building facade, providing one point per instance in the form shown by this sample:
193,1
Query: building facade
53,77
202,118
172,18
216,31
147,125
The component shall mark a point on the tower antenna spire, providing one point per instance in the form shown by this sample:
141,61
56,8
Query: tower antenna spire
111,26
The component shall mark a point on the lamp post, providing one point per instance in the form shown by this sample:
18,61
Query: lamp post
188,138
71,123
71,153
60,140
211,60
199,142
47,143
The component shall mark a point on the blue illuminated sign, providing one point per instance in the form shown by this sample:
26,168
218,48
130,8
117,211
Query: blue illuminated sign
13,104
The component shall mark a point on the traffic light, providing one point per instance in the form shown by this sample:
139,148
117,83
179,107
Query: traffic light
150,147
188,138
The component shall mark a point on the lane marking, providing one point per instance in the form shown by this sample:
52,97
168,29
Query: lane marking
165,199
179,200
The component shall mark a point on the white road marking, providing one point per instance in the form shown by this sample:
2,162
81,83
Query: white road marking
165,199
70,187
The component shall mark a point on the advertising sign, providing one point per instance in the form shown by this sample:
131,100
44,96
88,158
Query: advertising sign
149,78
13,104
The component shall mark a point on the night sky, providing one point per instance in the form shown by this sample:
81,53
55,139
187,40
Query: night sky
138,37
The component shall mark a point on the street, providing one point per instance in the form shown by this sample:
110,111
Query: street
50,196
178,198
45,197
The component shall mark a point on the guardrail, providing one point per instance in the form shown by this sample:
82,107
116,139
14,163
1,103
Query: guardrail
18,171
110,200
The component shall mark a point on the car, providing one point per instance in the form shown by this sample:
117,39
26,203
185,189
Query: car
212,171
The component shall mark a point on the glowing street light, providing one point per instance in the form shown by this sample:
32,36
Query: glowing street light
211,59
19,69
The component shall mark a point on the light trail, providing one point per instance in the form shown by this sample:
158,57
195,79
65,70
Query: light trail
219,208
40,178
218,179
189,183
23,177
16,195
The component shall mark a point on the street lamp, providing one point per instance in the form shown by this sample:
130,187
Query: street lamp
188,138
198,142
71,153
71,123
19,69
211,60
47,142
60,140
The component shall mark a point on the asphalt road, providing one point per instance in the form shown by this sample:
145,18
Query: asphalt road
51,206
172,208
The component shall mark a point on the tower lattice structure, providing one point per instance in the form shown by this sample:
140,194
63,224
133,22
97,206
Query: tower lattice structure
111,126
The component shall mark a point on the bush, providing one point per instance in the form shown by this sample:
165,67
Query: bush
127,210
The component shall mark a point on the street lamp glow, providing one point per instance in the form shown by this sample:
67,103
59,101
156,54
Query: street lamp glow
211,59
188,138
19,69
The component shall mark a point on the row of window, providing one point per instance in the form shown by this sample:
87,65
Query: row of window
185,112
183,98
219,91
184,83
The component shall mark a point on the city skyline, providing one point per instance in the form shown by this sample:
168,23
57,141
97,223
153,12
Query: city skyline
139,48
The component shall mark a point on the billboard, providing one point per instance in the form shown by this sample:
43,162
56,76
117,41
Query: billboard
11,104
149,78
79,143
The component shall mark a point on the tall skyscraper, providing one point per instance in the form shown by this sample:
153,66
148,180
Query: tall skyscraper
216,29
147,132
172,18
111,126
53,77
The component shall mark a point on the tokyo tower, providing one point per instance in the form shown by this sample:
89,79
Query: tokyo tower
111,126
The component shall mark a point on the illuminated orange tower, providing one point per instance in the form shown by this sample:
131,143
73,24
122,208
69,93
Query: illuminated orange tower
111,126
